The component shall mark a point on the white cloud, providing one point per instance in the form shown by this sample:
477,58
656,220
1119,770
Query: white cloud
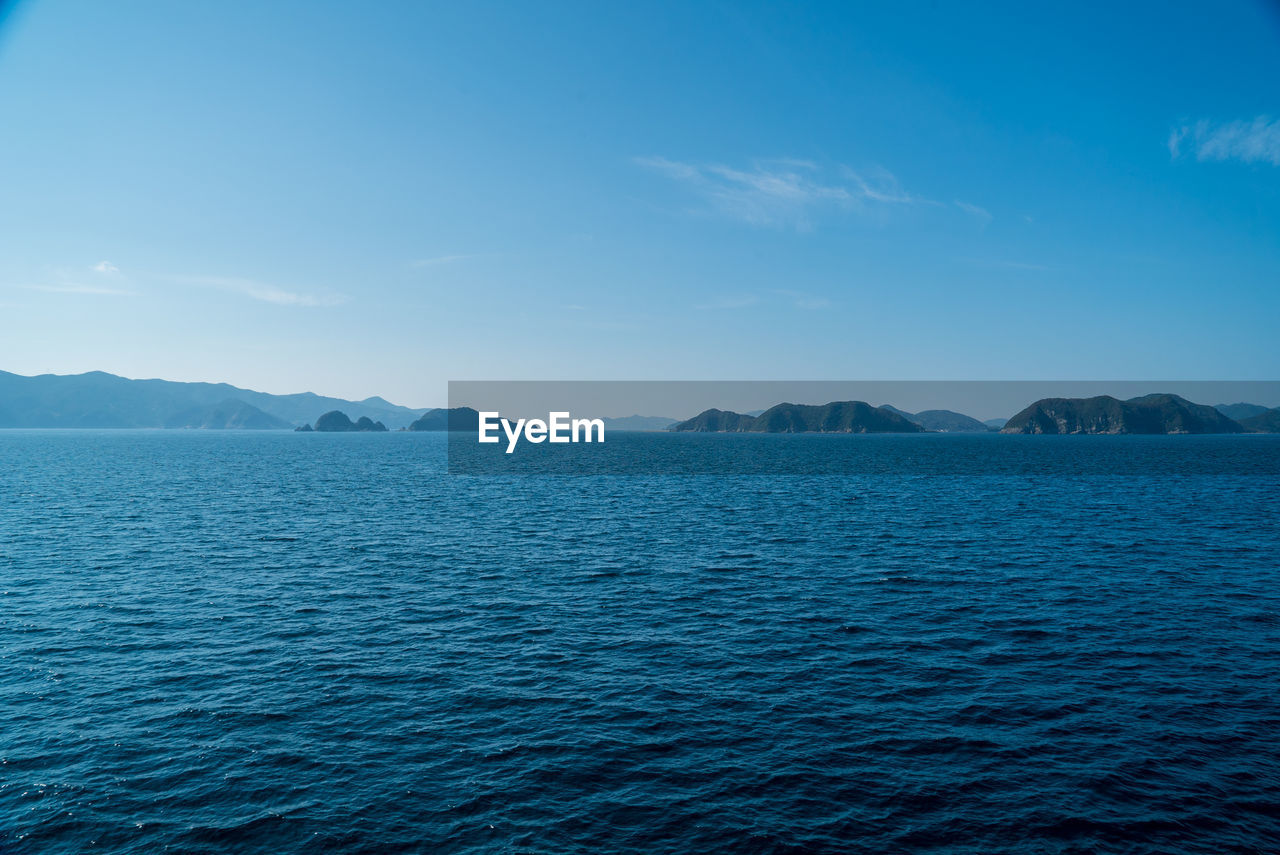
982,215
1251,141
77,288
784,191
880,185
262,291
106,268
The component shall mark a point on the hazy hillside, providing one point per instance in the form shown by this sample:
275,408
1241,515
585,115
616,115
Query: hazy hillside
641,423
100,400
227,415
1268,421
1241,411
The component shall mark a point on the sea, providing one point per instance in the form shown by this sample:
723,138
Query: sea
226,642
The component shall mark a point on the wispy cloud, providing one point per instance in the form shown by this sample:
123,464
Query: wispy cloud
738,301
803,300
880,185
78,288
71,281
773,296
439,259
263,291
1251,141
1004,264
782,192
982,215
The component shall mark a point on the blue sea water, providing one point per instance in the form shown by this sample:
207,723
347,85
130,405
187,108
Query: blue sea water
242,642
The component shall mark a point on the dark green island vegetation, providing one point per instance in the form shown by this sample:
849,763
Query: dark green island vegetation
1268,421
834,417
942,421
1149,414
100,400
336,421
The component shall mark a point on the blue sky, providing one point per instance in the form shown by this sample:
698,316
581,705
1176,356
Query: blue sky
361,199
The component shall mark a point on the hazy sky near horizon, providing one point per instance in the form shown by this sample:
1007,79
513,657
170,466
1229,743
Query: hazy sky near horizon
361,199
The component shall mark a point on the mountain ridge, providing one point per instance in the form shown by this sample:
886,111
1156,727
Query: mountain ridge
832,417
1159,413
97,399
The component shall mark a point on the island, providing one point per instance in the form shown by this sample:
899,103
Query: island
1149,414
1268,421
942,421
834,417
457,418
336,421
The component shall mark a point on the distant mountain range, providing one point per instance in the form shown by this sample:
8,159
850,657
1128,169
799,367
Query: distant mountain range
640,423
100,400
226,415
835,417
1240,412
1104,414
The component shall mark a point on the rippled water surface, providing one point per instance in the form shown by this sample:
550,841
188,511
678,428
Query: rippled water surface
238,642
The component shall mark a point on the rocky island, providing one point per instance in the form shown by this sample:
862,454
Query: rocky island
942,421
835,417
336,421
1149,414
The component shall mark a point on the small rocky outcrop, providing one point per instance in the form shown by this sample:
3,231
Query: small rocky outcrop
336,421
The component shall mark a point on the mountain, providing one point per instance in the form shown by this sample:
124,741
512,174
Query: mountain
100,400
948,421
645,423
1268,421
336,421
1160,413
835,417
995,424
715,421
942,421
227,415
1239,412
458,418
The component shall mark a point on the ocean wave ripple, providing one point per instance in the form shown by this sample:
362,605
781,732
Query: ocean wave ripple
228,643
